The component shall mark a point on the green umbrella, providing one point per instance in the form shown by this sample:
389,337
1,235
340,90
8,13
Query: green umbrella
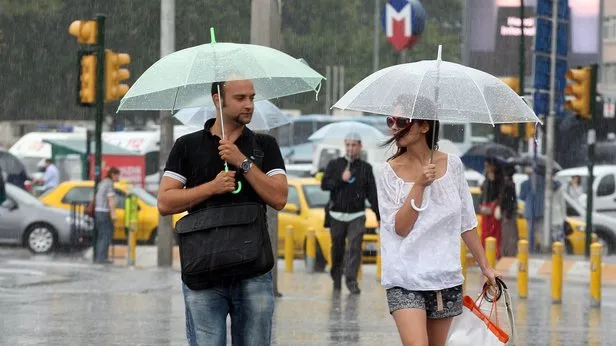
183,79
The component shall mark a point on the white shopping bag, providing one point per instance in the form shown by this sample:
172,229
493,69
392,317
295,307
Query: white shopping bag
475,327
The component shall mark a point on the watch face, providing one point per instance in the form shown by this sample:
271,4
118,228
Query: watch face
245,166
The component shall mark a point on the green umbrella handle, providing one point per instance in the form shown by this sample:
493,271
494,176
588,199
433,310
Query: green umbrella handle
239,183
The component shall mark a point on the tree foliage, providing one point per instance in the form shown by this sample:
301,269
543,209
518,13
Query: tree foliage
38,57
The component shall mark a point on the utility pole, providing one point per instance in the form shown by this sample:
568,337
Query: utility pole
591,140
265,22
167,46
375,48
522,71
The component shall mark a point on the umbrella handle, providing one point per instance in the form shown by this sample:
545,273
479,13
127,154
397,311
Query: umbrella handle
239,183
425,206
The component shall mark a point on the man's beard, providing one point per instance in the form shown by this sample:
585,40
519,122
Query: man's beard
242,120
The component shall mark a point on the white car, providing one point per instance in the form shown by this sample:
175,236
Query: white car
604,186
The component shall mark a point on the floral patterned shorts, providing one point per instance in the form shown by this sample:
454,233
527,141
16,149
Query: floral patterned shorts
437,304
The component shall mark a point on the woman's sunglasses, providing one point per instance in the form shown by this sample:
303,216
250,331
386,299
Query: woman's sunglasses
401,122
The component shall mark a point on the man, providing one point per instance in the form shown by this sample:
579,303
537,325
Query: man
193,178
51,179
2,188
105,215
526,195
350,181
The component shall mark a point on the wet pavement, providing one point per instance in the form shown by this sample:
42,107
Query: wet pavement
65,300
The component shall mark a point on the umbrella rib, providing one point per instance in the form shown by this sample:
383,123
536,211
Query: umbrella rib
417,93
480,93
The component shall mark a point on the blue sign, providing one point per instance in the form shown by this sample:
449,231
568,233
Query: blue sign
543,57
403,22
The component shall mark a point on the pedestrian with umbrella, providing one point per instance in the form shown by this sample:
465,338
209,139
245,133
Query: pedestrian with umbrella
424,200
223,176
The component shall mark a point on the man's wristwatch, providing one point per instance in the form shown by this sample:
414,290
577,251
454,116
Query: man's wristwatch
246,166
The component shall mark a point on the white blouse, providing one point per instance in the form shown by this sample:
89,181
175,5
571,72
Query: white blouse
428,258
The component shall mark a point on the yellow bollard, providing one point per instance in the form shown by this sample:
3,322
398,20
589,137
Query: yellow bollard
463,262
378,258
557,272
596,252
311,250
523,268
289,250
491,251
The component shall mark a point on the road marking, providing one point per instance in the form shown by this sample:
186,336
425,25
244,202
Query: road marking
21,271
53,264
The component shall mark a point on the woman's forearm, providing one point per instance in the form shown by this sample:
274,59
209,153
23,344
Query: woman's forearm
472,241
407,216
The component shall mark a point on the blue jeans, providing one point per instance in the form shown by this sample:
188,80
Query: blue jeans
250,303
104,228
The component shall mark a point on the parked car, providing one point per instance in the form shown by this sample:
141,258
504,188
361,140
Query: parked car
81,192
305,209
41,229
603,225
604,186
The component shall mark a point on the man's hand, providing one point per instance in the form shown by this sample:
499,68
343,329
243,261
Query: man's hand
223,183
230,152
346,175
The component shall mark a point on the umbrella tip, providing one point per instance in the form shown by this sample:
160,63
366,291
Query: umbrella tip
440,49
212,35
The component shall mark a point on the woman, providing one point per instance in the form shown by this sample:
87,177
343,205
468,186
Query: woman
509,211
575,188
421,250
489,207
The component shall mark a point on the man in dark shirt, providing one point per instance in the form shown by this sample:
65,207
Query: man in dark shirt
194,175
350,181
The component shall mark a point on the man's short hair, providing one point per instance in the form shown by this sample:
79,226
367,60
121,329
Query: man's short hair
353,136
48,161
111,171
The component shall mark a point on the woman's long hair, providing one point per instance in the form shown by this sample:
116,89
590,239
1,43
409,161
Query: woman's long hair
423,106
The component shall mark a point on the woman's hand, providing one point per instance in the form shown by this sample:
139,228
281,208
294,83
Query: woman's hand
491,274
428,175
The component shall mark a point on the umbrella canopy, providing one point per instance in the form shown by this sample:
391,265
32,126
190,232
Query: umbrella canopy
438,90
184,78
477,154
266,116
526,160
338,131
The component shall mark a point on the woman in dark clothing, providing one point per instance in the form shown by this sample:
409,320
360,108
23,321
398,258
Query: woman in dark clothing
509,206
490,204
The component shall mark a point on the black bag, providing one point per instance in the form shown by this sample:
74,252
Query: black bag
228,242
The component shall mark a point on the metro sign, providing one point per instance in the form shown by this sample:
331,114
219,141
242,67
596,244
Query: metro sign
403,22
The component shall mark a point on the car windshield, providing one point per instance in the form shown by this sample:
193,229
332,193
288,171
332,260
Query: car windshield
315,197
145,196
20,196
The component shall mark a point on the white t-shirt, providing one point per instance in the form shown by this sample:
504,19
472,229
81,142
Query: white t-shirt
428,258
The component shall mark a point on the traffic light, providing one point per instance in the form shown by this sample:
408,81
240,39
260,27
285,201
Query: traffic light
87,79
513,83
511,130
85,31
114,74
580,90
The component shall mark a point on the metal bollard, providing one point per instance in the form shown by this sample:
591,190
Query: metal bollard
491,251
132,243
289,250
131,219
596,253
463,262
557,272
378,258
311,250
523,268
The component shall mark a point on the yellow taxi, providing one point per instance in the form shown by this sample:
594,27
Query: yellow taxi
71,192
574,229
305,209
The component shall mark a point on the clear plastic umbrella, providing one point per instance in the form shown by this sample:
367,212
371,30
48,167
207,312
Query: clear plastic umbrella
266,116
336,132
437,90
